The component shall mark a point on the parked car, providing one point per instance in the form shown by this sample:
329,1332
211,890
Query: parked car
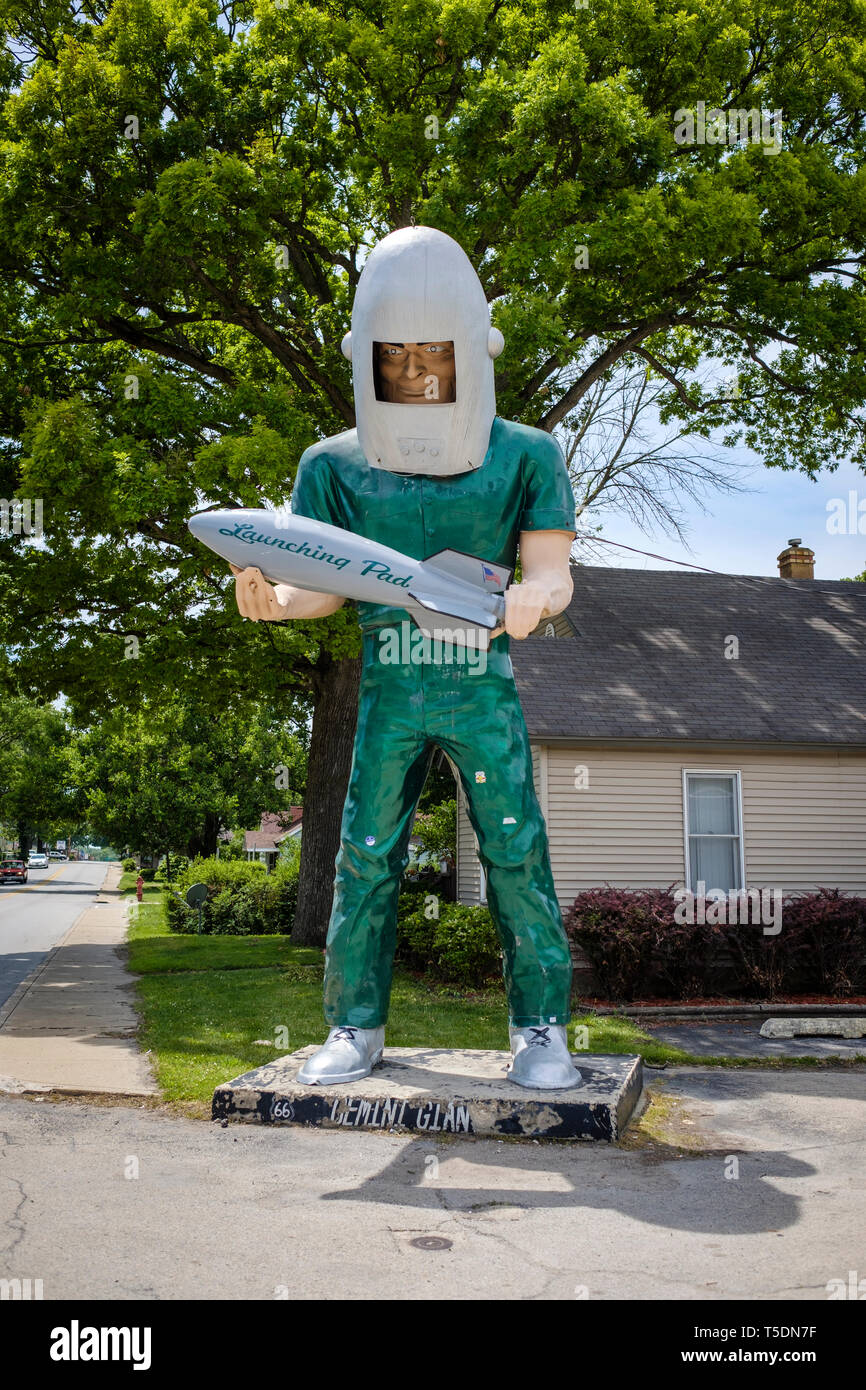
38,860
57,854
13,871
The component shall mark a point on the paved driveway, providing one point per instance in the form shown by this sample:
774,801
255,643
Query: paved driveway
743,1039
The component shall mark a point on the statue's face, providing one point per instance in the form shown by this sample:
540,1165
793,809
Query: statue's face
416,373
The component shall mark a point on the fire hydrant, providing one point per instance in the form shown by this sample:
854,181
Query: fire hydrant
139,886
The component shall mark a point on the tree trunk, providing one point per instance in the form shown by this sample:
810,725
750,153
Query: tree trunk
211,833
24,839
330,761
205,839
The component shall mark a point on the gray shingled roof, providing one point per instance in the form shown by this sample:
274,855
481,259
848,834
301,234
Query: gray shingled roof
647,660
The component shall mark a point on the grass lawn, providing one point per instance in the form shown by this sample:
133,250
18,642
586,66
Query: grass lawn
216,1006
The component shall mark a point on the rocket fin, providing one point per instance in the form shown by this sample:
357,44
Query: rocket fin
471,569
478,613
476,637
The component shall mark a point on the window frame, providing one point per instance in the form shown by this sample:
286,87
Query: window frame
736,773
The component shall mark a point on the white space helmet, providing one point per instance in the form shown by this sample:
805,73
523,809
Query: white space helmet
418,286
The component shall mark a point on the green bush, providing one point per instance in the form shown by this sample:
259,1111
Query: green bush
178,863
435,831
283,884
234,912
290,854
233,848
466,948
415,940
460,946
243,899
219,873
129,866
409,900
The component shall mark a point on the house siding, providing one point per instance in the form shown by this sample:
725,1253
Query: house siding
804,817
468,867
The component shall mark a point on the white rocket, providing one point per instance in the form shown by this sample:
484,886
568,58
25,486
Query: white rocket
309,554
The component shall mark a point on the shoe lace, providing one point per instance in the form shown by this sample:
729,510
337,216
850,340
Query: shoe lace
346,1032
540,1038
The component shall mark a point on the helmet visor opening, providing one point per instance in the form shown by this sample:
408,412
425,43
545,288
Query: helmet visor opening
415,373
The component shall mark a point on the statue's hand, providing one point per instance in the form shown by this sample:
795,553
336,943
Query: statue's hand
256,598
524,606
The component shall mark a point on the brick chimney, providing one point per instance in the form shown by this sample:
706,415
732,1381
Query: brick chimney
797,562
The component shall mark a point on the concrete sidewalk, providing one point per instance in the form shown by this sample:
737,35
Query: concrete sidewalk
72,1025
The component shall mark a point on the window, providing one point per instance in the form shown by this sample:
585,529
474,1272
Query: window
712,803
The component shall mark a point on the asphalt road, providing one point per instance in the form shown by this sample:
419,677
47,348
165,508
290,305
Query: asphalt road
34,916
125,1203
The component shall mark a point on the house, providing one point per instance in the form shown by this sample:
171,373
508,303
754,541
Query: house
274,830
694,727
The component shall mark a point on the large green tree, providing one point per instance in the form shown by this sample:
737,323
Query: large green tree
188,195
164,779
38,795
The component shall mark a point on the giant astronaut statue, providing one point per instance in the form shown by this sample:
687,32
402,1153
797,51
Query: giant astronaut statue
431,466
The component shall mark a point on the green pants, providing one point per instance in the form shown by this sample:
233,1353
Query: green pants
406,710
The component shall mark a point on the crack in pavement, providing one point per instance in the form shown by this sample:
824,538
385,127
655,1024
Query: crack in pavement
14,1219
469,1218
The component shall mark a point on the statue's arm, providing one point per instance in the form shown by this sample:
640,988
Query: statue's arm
264,602
315,494
546,587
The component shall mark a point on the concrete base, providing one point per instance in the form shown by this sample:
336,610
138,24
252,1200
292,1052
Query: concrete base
814,1028
440,1091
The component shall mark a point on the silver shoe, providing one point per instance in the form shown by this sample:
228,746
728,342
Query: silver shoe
541,1059
348,1054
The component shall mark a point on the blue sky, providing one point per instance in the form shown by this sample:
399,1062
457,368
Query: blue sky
743,533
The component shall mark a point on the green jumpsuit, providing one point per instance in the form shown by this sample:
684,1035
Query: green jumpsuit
408,708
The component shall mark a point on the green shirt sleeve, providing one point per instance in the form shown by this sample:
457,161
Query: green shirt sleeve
315,493
548,501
